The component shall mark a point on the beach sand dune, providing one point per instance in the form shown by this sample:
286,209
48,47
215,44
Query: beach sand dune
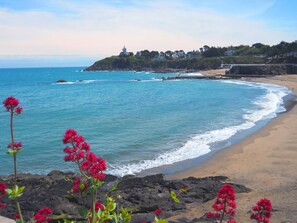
266,162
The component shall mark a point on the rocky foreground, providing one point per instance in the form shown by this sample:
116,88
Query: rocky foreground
142,195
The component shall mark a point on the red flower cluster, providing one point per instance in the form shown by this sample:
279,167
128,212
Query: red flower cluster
94,166
80,153
158,211
43,216
79,186
224,205
79,146
262,211
2,192
11,104
15,146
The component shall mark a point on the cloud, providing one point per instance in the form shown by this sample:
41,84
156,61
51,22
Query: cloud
103,29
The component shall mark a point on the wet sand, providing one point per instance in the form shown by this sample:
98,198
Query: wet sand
266,162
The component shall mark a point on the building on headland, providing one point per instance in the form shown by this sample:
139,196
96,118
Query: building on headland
178,54
291,54
193,53
229,53
124,52
160,57
138,54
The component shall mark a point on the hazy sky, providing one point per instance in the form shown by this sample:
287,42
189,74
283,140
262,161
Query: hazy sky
78,32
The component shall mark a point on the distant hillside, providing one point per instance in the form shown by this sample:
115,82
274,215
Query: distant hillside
202,59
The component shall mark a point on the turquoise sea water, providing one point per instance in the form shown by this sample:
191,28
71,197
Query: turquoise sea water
134,125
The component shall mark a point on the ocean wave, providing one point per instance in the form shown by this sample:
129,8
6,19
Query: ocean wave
197,146
146,80
267,106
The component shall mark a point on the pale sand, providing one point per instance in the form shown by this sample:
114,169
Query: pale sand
266,162
213,72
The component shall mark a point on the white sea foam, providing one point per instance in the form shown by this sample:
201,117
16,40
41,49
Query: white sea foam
146,80
67,82
267,107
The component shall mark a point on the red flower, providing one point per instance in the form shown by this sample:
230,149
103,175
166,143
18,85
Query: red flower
19,110
2,192
98,206
158,211
79,186
94,166
262,211
68,136
2,188
79,152
43,216
16,216
15,146
224,205
85,146
79,146
10,103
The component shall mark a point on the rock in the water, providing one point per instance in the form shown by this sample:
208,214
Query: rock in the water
61,81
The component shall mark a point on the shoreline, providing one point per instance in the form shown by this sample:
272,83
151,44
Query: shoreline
265,161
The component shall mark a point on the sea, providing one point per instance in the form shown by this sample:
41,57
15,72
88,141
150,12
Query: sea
134,120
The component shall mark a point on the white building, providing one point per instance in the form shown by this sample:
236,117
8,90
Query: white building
124,52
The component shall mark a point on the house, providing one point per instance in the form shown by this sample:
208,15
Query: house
138,54
178,54
291,54
192,54
229,53
160,57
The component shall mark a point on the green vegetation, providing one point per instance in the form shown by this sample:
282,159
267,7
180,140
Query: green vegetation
204,58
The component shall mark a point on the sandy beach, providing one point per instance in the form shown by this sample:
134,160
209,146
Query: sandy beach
266,162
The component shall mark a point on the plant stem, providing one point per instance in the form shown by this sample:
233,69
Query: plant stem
12,142
93,206
19,211
224,211
15,164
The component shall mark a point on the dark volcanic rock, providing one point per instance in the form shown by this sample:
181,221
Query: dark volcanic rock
61,81
142,195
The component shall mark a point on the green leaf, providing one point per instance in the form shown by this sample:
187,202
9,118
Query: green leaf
111,206
174,197
10,151
21,189
8,191
184,190
160,220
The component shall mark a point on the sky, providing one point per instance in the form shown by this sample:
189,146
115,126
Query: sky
44,33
